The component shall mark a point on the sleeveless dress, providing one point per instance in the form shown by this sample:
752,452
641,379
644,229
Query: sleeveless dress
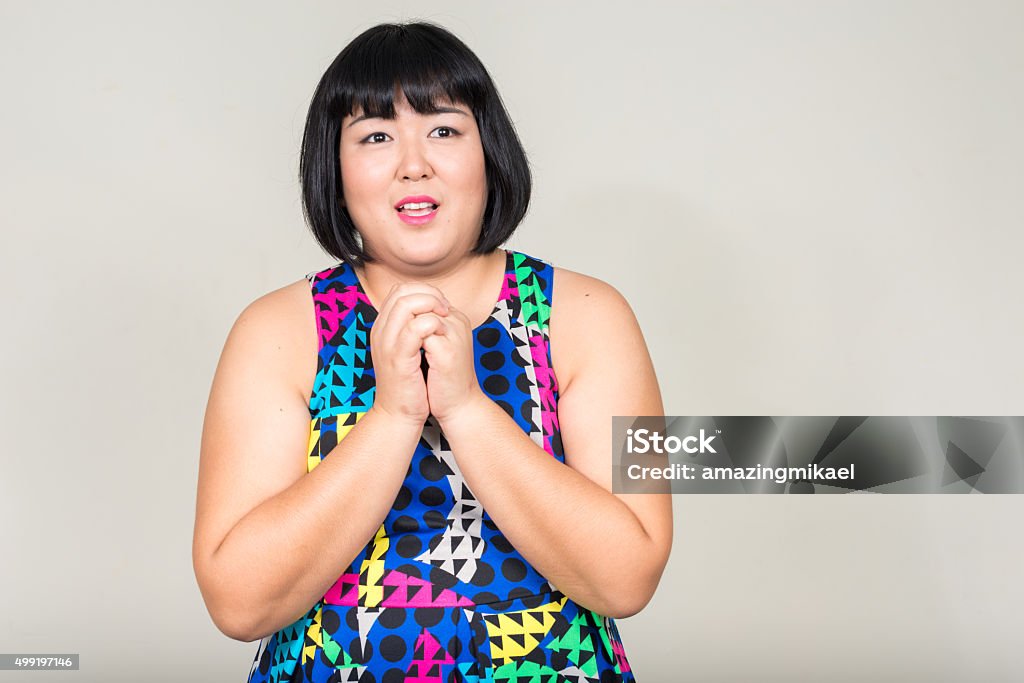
439,595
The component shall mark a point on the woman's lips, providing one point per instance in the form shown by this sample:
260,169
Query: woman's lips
418,216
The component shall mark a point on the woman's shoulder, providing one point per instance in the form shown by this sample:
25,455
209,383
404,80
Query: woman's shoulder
279,328
282,307
590,319
571,289
581,301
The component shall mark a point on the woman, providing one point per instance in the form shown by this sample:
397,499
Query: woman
441,511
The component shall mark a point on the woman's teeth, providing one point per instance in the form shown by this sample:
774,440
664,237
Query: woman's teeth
417,208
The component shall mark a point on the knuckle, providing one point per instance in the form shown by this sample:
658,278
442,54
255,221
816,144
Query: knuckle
423,322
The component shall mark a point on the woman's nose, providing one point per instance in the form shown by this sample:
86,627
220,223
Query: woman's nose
414,163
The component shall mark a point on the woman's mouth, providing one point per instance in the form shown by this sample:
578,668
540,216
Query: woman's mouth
417,213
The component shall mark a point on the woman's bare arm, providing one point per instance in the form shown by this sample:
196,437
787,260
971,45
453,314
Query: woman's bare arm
605,551
270,539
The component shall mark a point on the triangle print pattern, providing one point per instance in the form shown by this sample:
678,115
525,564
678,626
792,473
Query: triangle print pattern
429,661
515,634
461,544
578,645
530,409
439,594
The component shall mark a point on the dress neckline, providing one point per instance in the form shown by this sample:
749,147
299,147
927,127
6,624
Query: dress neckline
509,267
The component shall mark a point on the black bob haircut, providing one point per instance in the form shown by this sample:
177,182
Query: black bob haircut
428,65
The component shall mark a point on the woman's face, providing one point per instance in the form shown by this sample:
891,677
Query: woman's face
438,156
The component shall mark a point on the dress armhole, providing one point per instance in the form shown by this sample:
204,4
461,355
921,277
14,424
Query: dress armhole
313,278
549,295
312,401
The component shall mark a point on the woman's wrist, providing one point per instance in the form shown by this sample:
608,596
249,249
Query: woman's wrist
401,423
470,416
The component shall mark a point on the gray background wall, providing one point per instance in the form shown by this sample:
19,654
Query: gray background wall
813,207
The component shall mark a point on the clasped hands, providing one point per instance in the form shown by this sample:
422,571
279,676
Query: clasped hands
418,316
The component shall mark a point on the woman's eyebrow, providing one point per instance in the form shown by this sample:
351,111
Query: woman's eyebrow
438,110
450,110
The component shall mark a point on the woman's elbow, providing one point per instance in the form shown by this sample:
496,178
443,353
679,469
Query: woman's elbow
628,603
235,626
631,598
231,620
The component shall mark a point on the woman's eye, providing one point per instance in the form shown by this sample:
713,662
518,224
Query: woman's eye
447,130
375,137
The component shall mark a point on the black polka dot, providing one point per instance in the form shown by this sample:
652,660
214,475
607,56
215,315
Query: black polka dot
521,362
440,577
488,336
492,360
403,498
513,569
506,407
432,469
406,524
484,574
330,621
394,676
489,523
495,385
352,619
391,617
432,496
409,546
362,652
393,648
523,383
434,519
526,410
520,593
535,601
410,569
454,646
501,605
484,597
501,543
428,616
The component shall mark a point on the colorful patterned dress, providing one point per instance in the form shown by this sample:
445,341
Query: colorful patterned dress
440,595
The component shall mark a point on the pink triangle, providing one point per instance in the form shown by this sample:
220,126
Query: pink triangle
345,591
423,597
433,655
333,307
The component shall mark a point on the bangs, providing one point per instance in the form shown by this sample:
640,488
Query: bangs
390,64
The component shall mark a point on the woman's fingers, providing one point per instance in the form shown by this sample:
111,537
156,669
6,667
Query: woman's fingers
409,313
410,337
406,301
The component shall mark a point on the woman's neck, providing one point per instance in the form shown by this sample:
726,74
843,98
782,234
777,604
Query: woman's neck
472,285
